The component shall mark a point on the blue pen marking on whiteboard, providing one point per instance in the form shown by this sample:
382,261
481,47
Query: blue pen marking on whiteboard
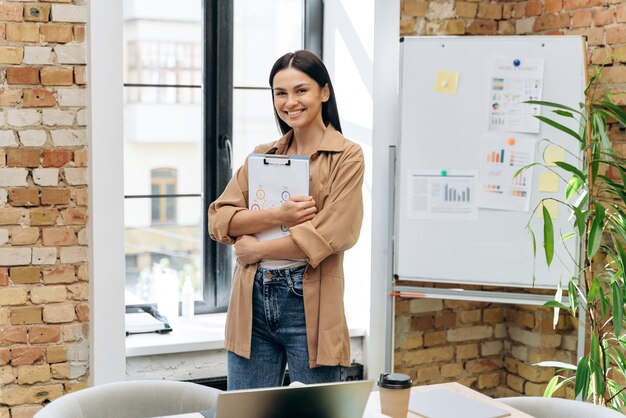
516,62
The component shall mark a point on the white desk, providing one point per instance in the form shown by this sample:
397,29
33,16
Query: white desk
372,410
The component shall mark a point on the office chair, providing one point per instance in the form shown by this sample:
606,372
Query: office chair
132,399
540,407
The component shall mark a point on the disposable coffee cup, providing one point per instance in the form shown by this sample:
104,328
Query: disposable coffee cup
395,389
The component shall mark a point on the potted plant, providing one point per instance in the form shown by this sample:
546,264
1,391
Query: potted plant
596,197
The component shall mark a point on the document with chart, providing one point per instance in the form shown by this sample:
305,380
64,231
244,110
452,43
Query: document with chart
442,194
272,180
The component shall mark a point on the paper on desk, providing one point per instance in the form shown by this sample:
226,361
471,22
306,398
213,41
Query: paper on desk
441,403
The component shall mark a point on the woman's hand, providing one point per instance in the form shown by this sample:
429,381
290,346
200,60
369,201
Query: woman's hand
246,249
296,210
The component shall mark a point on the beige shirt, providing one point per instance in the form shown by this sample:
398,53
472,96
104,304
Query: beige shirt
336,179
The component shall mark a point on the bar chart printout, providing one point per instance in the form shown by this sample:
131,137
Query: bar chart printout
437,194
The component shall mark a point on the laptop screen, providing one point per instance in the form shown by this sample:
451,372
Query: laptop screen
328,400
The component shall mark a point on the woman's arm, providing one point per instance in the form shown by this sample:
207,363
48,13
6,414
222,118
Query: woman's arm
296,210
249,250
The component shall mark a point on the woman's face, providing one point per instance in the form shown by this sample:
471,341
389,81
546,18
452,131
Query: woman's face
298,98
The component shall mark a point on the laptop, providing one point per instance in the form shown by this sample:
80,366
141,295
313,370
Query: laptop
326,400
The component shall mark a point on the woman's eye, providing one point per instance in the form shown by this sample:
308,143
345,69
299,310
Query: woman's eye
279,93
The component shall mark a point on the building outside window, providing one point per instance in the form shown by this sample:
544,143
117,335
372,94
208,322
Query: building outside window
173,148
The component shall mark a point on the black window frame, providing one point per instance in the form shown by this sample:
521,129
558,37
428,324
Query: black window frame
218,99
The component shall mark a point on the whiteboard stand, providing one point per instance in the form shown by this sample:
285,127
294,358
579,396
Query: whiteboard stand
447,293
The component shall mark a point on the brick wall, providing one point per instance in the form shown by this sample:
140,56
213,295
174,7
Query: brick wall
43,204
525,332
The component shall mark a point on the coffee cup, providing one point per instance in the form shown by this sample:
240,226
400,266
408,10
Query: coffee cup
395,389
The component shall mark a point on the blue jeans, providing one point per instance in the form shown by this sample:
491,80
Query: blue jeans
278,336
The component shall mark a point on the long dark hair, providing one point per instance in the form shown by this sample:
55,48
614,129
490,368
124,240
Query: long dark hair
311,65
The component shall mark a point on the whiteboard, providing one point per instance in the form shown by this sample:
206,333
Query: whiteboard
440,131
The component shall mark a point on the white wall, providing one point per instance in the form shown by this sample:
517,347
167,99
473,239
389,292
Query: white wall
106,188
385,86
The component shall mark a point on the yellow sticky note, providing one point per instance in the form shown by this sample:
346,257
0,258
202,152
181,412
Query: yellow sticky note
446,82
553,153
548,182
552,206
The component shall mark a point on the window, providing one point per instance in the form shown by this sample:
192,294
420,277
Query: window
196,102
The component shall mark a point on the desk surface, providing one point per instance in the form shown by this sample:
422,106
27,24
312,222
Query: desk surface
372,410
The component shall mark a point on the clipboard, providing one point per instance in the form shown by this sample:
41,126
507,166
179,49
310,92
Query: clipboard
272,180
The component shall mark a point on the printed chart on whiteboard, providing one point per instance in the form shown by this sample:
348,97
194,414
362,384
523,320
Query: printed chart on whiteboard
514,81
502,157
442,194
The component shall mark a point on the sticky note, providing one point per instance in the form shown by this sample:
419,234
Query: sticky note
548,182
446,82
553,153
552,206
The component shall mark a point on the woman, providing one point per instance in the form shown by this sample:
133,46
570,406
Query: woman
286,303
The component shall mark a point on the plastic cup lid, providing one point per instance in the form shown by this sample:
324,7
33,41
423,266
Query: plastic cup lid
394,381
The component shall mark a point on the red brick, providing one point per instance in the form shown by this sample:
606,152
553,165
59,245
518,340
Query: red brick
24,197
52,237
533,8
81,157
595,36
552,6
13,335
55,196
5,356
581,18
53,32
57,76
74,216
82,312
38,98
551,21
490,11
445,320
79,33
2,30
27,355
581,4
56,157
614,74
44,334
23,316
23,157
603,17
23,75
421,323
60,274
22,32
25,275
34,12
11,12
414,8
482,27
506,27
80,76
519,10
620,13
4,277
616,35
10,97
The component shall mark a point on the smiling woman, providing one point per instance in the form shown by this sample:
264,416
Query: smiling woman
286,305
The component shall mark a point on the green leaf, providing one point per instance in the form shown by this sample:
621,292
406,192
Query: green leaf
555,304
526,167
560,127
618,307
548,236
568,167
568,236
582,378
572,186
594,349
595,234
552,104
563,113
557,364
551,388
593,290
599,380
572,294
600,124
581,219
622,254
